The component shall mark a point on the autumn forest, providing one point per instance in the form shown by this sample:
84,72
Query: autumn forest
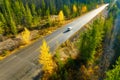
91,53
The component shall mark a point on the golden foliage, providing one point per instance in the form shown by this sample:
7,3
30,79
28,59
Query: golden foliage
61,16
97,6
45,59
74,8
25,36
84,9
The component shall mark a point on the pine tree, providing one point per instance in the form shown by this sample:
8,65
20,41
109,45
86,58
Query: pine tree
17,13
33,9
39,12
48,16
28,16
114,74
43,8
2,23
13,26
9,17
1,28
2,18
66,11
22,8
36,17
23,11
52,7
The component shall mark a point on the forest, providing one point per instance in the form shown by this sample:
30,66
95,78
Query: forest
17,14
85,55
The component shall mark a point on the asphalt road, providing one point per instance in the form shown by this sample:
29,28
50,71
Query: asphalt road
23,64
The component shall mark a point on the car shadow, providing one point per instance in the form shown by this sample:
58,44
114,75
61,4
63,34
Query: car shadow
66,31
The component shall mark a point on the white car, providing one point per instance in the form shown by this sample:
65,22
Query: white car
69,28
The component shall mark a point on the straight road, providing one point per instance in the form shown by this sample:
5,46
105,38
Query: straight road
23,64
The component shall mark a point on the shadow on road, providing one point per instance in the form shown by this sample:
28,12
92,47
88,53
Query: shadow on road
66,31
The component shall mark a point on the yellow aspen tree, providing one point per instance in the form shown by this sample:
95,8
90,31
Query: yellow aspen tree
74,8
61,16
97,6
45,58
84,9
25,36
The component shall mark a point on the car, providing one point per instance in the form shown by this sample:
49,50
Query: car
69,28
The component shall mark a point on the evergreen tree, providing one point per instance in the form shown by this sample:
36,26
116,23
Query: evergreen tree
2,18
43,8
66,11
39,12
13,26
36,17
3,24
48,16
33,9
114,74
52,7
28,16
23,11
9,17
17,12
1,28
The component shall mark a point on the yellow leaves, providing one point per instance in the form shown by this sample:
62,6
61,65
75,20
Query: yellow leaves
97,6
84,9
45,58
25,36
74,8
61,16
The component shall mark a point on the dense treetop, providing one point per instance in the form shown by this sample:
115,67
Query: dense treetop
17,14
